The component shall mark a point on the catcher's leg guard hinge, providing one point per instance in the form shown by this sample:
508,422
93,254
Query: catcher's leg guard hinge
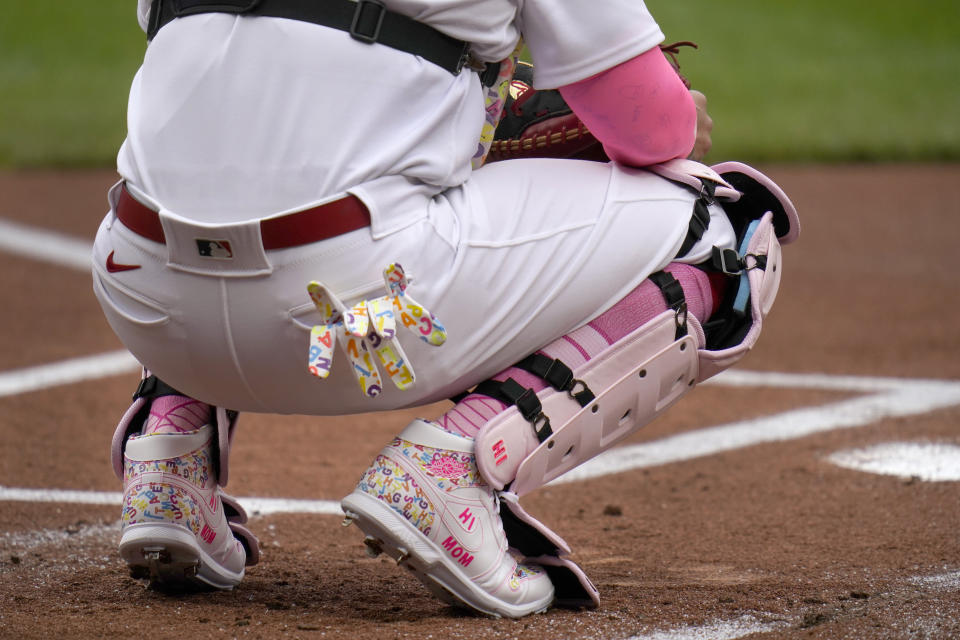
735,327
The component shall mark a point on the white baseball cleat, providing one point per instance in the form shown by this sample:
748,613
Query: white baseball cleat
423,502
178,528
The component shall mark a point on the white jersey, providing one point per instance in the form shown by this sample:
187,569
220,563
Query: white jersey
232,118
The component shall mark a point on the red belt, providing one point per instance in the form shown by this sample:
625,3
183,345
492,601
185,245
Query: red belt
292,230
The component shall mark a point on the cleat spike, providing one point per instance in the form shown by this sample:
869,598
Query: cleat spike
139,572
347,522
152,554
373,546
404,554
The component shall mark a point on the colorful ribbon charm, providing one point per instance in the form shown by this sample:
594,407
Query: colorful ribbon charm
370,327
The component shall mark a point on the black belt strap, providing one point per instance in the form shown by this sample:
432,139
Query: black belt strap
367,21
700,218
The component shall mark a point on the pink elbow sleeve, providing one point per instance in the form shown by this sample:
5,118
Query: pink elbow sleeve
640,110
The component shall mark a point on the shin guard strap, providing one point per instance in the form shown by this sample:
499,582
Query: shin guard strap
557,375
673,294
700,218
512,393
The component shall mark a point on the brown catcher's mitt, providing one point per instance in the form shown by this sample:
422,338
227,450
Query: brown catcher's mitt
539,124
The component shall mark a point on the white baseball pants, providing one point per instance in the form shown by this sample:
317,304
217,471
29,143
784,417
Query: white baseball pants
524,252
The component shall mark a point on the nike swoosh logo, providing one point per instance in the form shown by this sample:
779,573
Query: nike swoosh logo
114,267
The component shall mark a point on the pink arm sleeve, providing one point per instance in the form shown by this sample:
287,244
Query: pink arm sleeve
640,110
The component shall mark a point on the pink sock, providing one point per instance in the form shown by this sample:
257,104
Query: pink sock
637,308
176,414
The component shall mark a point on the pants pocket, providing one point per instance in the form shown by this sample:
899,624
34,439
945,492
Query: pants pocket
124,305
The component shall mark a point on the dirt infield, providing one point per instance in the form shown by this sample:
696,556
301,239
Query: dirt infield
733,523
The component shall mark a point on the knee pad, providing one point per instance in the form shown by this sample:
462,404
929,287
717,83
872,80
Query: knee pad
588,410
765,219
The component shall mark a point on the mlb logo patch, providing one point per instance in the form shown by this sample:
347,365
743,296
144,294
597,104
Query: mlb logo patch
217,249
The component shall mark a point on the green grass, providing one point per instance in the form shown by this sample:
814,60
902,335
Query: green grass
65,70
788,80
824,80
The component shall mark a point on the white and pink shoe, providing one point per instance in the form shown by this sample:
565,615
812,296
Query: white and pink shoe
178,527
423,502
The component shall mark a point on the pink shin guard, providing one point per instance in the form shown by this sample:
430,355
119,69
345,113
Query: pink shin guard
594,405
636,309
532,539
626,367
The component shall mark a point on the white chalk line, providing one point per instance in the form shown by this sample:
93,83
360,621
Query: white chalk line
891,398
819,381
28,540
47,246
949,581
752,624
254,506
45,376
718,630
926,461
908,398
